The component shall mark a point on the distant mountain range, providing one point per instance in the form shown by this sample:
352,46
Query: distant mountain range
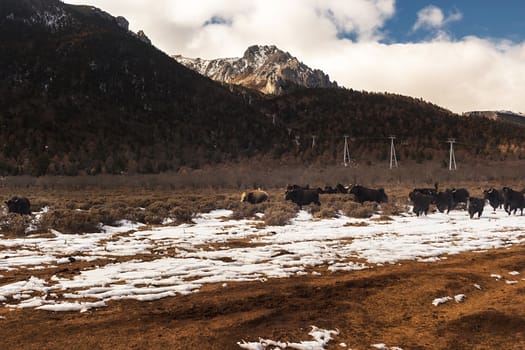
263,68
81,94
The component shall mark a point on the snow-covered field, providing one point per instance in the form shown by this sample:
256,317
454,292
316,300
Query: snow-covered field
134,262
171,260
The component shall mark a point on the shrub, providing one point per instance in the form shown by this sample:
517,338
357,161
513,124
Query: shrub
356,210
392,208
108,216
244,211
159,208
205,205
280,214
153,219
312,209
70,221
156,212
14,224
326,213
183,214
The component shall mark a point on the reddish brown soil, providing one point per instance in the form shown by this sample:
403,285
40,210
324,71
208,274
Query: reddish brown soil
391,305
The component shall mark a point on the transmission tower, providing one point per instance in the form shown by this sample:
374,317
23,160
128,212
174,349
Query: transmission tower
393,157
346,155
452,157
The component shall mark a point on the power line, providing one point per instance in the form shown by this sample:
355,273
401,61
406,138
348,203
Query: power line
393,154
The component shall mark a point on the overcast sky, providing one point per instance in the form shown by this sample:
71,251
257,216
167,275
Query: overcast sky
460,54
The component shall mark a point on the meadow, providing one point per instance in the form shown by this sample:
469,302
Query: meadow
177,261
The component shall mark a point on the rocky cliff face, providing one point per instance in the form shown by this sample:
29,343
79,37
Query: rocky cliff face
263,68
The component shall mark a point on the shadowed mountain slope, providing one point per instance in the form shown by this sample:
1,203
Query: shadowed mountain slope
80,93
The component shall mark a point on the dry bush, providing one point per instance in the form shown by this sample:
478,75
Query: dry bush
246,211
142,202
356,224
70,221
361,211
382,218
312,209
14,224
229,203
393,207
336,201
87,204
110,215
156,212
159,208
136,215
349,207
280,213
326,213
205,205
183,214
233,205
152,218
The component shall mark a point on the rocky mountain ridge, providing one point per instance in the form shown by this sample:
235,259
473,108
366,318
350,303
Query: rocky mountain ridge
263,68
503,116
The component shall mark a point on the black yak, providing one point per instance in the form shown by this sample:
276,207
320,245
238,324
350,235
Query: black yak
494,197
427,191
460,195
363,194
421,202
444,200
475,205
302,197
18,205
513,200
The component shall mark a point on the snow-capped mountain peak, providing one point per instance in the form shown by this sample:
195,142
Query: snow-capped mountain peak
262,67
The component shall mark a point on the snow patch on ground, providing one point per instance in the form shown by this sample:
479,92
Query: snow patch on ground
321,338
175,260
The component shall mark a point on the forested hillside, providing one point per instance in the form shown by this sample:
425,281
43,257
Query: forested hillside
81,94
421,129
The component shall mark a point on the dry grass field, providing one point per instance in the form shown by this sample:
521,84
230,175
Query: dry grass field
386,304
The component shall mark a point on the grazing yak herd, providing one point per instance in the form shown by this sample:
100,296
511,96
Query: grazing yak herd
421,198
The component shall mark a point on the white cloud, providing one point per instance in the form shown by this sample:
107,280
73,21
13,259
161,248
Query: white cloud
431,17
177,27
466,74
471,74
